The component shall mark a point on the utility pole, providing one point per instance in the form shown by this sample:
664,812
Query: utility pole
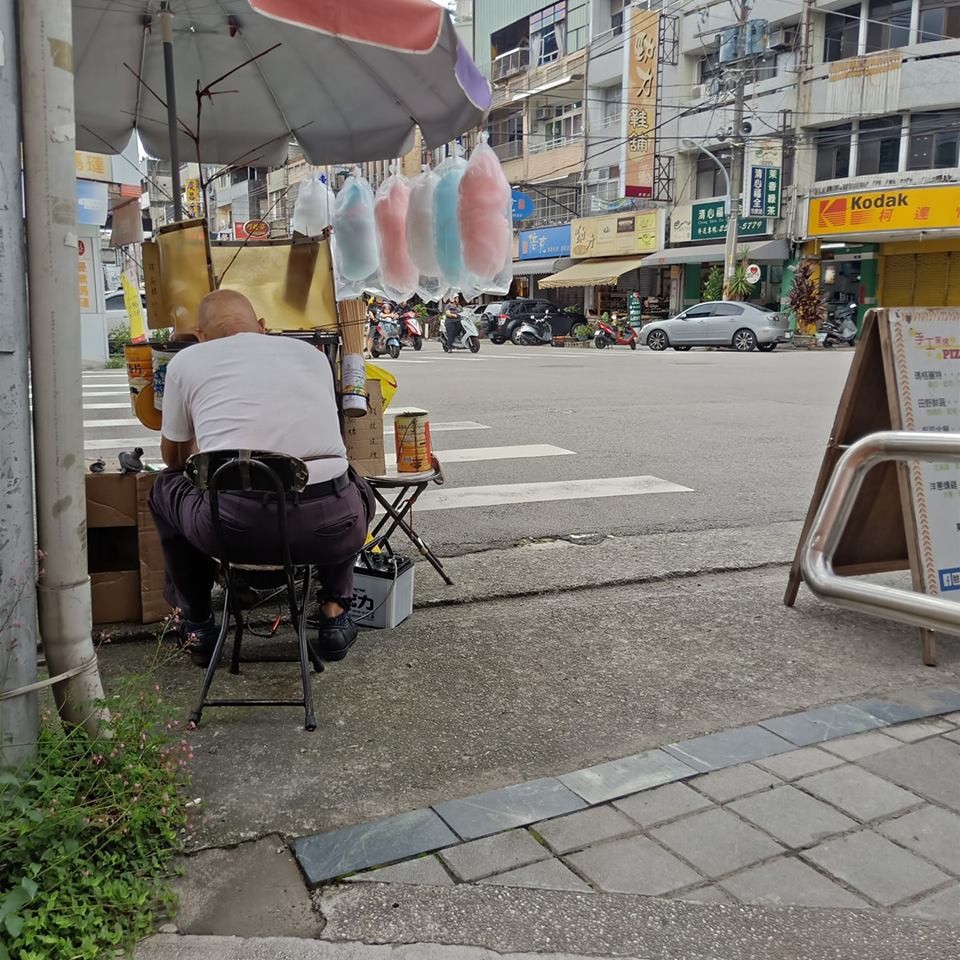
18,619
49,146
736,170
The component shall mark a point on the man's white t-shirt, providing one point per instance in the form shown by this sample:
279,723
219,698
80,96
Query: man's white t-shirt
252,391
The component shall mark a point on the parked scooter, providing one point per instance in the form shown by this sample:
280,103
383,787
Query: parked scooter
532,332
411,334
840,327
386,339
458,332
607,335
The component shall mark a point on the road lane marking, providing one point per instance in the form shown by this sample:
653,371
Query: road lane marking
484,454
513,493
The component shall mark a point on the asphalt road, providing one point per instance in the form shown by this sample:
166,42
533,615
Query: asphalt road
731,439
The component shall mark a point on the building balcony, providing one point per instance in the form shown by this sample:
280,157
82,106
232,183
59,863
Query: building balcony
539,79
509,64
542,145
510,150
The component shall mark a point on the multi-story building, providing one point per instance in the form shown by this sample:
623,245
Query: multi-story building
850,134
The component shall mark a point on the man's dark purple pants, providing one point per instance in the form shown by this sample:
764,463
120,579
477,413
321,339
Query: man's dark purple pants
327,532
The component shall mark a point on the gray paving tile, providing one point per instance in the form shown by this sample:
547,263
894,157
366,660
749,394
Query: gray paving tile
919,730
515,806
930,831
953,718
930,768
664,803
482,858
824,723
607,781
733,782
944,905
787,882
800,763
545,875
328,855
874,866
912,705
954,736
728,748
633,865
716,842
792,816
859,793
426,871
580,829
709,894
861,745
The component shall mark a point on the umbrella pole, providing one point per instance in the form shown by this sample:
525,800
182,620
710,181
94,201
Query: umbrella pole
166,33
49,165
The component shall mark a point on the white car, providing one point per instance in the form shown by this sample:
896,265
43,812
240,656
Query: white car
719,323
117,308
482,314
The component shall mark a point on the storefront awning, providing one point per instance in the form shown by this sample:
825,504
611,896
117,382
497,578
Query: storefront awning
596,272
533,268
766,250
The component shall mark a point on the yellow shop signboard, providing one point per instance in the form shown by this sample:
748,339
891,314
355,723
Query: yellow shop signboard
879,211
617,235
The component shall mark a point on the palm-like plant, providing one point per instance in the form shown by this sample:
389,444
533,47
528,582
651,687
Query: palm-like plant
713,287
806,300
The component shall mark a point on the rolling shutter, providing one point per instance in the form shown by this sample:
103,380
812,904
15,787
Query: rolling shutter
953,282
899,272
930,289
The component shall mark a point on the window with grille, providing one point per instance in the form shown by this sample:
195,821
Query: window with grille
939,20
879,149
934,140
547,28
555,206
833,153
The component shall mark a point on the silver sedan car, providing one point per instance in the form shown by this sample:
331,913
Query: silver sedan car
719,323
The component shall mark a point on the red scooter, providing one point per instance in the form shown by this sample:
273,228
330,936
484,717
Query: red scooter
411,333
608,335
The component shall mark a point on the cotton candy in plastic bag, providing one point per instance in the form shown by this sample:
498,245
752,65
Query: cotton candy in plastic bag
313,211
446,222
398,273
485,219
355,256
420,243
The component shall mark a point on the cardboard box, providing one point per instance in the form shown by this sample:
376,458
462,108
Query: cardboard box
363,436
124,558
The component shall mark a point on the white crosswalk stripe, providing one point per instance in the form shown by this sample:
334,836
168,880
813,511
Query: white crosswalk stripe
107,391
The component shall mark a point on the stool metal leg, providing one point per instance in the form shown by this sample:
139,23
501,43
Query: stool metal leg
214,659
300,622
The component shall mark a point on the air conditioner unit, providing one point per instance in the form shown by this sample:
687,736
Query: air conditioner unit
696,93
543,113
784,38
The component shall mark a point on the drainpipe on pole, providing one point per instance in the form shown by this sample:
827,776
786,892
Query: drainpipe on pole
49,141
18,602
166,32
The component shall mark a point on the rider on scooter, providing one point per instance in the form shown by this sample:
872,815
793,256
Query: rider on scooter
452,327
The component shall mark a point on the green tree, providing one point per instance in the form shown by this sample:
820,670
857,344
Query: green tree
806,300
713,286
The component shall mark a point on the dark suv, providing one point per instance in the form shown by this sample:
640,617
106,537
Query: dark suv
514,312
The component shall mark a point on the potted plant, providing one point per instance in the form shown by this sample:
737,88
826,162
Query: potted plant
583,331
713,286
806,303
739,287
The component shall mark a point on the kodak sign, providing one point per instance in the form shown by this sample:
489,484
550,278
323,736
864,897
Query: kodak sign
882,211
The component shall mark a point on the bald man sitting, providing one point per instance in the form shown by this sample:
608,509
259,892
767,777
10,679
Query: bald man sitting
240,390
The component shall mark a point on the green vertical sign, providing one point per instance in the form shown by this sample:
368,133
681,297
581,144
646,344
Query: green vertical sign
709,222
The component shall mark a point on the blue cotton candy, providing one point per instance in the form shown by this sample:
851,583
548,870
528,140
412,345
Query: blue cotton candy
446,221
355,232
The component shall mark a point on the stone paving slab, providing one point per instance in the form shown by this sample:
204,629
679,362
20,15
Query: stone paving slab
729,748
930,768
636,865
859,793
944,905
827,723
662,804
617,778
724,785
799,763
875,867
862,745
497,854
423,870
932,832
795,818
790,882
545,875
577,830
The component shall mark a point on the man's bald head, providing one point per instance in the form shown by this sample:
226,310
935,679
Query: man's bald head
224,313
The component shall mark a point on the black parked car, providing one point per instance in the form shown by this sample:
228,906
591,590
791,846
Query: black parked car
514,312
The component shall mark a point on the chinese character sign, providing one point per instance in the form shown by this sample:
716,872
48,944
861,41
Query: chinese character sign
88,290
192,196
708,221
764,192
641,52
926,347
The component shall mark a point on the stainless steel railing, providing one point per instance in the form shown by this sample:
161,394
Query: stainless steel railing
816,559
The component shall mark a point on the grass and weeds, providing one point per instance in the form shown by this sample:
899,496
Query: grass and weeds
88,830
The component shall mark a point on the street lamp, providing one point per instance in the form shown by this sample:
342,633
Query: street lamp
732,209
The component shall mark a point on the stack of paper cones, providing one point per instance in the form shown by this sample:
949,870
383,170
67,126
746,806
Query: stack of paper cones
353,324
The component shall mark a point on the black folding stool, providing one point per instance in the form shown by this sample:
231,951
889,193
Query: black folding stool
270,475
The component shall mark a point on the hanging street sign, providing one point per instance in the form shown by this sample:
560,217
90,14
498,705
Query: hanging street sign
522,205
764,195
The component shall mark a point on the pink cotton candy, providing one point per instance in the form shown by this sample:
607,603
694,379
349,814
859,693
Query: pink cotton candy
484,214
397,271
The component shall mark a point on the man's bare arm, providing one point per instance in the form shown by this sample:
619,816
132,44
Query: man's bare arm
175,454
